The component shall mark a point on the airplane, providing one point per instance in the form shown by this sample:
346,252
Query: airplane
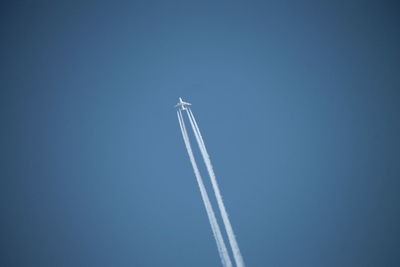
182,104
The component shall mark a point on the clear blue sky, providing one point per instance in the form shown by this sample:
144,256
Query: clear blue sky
298,102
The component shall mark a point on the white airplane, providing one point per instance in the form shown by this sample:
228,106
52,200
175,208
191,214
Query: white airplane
182,104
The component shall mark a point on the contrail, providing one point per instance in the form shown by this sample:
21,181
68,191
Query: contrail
228,227
223,252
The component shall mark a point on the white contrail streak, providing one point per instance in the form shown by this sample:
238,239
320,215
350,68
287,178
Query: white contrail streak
223,252
228,227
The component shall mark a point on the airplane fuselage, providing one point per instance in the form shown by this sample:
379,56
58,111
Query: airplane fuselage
182,104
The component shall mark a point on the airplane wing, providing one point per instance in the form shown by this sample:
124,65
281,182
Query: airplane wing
182,103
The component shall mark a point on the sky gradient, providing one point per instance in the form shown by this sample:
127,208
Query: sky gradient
298,103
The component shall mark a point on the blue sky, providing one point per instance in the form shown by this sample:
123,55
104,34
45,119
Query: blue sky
298,103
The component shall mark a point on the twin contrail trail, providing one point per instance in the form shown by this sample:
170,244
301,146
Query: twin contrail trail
223,252
228,227
214,225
